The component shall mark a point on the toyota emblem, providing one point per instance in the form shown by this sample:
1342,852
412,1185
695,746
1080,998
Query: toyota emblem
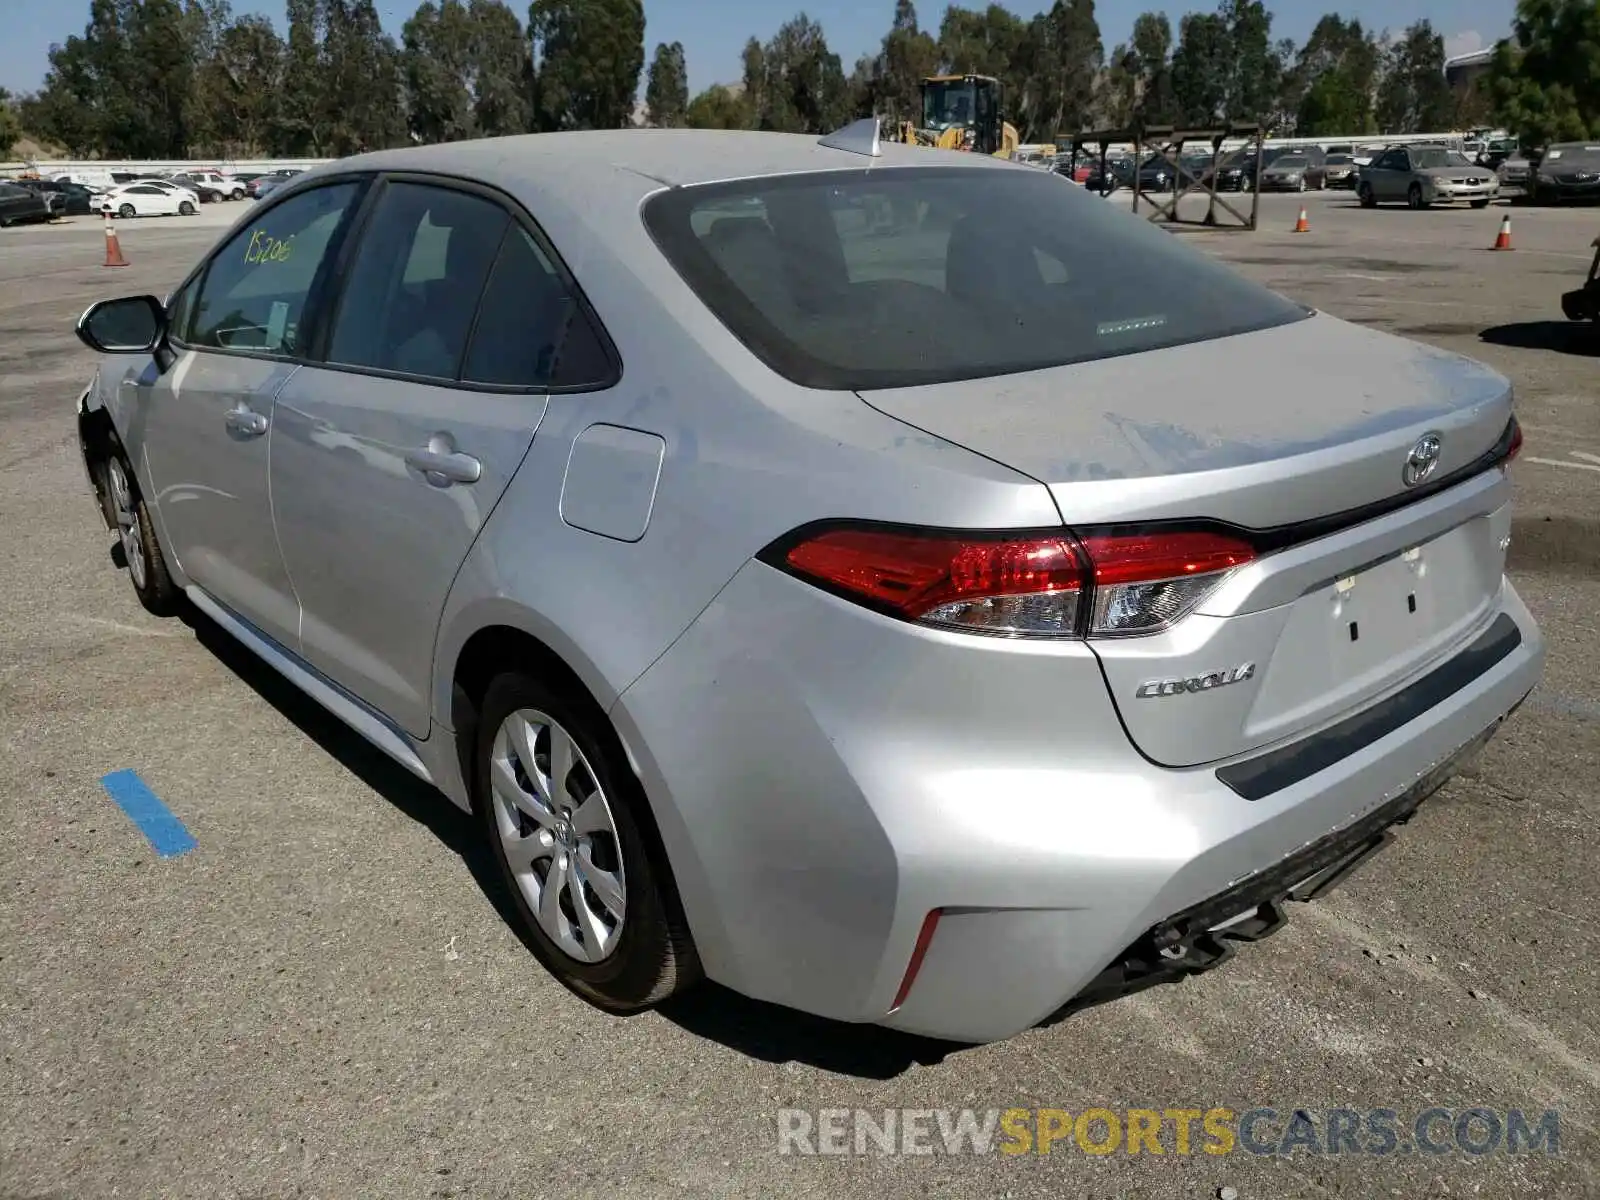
1423,459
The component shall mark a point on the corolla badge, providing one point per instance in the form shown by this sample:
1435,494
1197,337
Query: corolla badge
1423,459
1195,683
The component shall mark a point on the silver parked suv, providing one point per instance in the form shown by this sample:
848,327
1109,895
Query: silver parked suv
815,562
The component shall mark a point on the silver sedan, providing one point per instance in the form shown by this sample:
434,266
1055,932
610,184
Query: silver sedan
814,563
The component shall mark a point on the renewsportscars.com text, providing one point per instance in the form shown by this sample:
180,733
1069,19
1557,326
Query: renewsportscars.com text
1376,1132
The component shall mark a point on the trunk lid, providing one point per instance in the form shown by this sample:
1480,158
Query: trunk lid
1301,433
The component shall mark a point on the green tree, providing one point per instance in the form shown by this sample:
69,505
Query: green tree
794,83
1152,48
10,124
717,108
502,70
1544,82
1333,80
361,96
989,42
908,56
301,125
1413,96
241,83
437,60
588,57
1202,69
1063,56
1256,67
666,95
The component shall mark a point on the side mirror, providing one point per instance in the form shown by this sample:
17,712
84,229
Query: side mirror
130,325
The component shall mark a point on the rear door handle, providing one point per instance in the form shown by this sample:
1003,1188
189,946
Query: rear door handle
442,464
243,420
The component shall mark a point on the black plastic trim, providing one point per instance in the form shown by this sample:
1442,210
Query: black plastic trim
1204,935
1257,778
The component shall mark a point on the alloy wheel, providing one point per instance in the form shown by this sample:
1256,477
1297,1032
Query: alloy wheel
558,835
128,530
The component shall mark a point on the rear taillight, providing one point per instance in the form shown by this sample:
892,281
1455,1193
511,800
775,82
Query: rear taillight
1146,582
1013,586
1053,585
1515,448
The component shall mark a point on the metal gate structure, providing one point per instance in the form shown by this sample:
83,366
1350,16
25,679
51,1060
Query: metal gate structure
1167,142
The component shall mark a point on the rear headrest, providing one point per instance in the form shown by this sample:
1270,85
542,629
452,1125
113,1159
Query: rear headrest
747,251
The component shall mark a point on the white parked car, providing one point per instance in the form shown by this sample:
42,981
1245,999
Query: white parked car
166,185
225,185
149,200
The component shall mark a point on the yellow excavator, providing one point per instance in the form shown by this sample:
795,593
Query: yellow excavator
961,112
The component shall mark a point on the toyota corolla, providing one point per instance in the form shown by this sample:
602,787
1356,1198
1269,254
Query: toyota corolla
824,566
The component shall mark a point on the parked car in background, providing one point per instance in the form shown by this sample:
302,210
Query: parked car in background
1297,171
67,199
1158,173
1032,669
21,205
1116,173
206,193
1568,171
262,184
146,200
1516,175
1340,170
167,186
228,187
1422,176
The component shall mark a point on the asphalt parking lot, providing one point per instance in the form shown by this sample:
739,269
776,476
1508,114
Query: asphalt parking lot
323,998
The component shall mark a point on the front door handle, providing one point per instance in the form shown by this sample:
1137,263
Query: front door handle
243,420
442,464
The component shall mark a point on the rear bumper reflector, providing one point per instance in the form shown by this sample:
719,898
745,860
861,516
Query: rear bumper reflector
918,953
1259,777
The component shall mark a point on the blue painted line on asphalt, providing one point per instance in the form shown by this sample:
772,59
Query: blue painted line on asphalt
155,820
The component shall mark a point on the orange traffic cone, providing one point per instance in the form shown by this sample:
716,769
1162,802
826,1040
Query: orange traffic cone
1302,225
1502,240
113,247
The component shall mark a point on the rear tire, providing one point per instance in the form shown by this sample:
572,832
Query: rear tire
606,860
141,549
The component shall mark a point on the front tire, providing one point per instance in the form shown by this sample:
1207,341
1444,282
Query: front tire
141,550
1414,197
126,212
566,820
186,209
1480,204
1364,194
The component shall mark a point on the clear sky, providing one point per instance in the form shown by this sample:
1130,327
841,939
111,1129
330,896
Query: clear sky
714,31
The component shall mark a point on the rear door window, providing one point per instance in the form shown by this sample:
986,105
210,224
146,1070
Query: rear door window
413,287
914,275
531,330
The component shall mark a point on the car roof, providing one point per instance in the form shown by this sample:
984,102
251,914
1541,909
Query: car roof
586,188
670,157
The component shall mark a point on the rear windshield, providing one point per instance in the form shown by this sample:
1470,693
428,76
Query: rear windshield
897,276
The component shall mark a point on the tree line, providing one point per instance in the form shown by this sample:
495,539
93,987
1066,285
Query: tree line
189,79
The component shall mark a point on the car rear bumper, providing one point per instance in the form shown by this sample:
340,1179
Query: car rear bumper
824,778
